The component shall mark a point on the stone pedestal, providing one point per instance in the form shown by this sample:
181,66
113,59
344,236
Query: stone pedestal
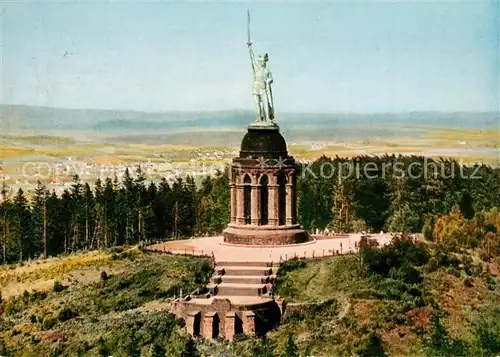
264,235
263,188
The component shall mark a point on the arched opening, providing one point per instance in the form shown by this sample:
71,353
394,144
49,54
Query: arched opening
281,199
215,326
238,325
247,192
264,197
196,324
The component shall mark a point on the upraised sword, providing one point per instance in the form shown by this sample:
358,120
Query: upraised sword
248,28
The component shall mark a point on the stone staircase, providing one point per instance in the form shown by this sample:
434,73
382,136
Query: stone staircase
242,279
228,304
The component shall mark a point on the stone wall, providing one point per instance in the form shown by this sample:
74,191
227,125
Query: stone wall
221,319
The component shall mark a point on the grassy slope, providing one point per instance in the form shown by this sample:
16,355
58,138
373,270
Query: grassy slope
334,309
128,309
352,306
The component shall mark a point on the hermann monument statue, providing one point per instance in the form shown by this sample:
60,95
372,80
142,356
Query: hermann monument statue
262,90
263,177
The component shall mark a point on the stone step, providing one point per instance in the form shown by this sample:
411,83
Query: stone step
210,286
246,279
243,270
234,289
244,264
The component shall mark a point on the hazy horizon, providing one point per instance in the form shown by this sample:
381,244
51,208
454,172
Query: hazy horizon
245,110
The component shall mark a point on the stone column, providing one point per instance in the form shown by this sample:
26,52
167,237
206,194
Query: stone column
289,220
255,204
208,325
230,326
193,319
232,187
240,204
249,323
272,207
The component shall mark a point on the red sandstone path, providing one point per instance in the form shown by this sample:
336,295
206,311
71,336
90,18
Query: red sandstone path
237,253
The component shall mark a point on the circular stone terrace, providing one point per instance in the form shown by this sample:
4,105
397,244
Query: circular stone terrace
241,287
318,247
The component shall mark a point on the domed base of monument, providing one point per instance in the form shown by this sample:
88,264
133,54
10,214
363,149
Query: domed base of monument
266,235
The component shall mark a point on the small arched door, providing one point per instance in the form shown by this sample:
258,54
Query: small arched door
247,193
281,199
264,198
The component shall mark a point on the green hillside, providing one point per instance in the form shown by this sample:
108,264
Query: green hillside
404,299
97,304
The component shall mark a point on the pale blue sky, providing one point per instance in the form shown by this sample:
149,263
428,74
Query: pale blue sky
325,57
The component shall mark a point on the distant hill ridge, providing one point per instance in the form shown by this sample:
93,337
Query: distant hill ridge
46,119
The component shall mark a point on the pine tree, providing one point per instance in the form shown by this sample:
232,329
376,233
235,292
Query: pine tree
89,214
141,204
5,206
77,214
162,208
57,220
129,198
149,217
21,227
66,206
39,220
110,218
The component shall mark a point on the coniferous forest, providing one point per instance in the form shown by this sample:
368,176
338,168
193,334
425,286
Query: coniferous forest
113,213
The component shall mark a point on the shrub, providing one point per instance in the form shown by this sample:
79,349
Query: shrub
432,265
407,274
104,276
38,296
488,335
445,258
489,279
48,322
3,348
291,349
58,287
440,343
401,251
428,229
203,274
468,282
372,347
66,314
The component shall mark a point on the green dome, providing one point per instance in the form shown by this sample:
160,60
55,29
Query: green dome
263,142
